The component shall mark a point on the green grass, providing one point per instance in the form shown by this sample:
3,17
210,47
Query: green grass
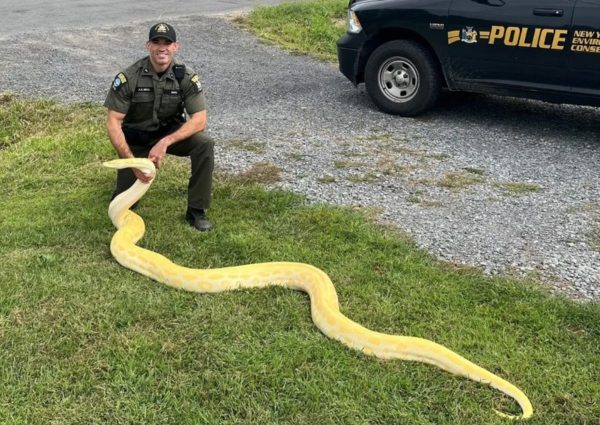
519,188
595,239
248,145
307,27
326,179
475,170
460,179
85,341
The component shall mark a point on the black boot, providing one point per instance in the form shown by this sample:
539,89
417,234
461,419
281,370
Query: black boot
198,220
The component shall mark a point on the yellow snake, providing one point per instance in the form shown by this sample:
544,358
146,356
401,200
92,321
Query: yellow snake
323,298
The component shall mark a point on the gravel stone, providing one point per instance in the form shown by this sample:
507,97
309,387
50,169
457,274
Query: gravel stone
334,146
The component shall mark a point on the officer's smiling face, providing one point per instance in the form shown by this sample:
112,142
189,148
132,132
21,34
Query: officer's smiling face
161,52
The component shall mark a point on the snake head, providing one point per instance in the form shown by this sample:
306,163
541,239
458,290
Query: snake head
143,164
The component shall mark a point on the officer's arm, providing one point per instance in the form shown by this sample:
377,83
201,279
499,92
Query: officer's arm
114,122
117,138
195,124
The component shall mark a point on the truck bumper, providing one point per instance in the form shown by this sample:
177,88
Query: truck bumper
348,51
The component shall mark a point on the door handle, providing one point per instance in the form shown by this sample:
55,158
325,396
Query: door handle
548,12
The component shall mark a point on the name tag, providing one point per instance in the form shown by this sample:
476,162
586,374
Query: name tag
144,89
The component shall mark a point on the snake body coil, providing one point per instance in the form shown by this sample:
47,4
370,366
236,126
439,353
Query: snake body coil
323,297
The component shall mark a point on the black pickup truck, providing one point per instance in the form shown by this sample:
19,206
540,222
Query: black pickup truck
406,51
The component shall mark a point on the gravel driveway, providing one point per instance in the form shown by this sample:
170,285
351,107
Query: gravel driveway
502,184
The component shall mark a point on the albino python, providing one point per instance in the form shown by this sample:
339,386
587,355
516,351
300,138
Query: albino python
323,297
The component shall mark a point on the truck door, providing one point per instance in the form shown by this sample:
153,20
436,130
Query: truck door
585,48
509,43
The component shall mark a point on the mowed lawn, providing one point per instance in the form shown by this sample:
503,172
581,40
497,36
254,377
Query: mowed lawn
85,341
305,27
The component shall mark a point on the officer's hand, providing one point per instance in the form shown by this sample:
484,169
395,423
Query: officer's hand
157,153
141,176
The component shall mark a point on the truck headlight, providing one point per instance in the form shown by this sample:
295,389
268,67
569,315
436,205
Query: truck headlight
353,24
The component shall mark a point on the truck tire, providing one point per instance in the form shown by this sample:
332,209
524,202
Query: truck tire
402,78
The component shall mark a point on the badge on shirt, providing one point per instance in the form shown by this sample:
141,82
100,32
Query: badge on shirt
196,81
120,79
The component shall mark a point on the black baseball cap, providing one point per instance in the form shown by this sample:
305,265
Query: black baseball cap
162,30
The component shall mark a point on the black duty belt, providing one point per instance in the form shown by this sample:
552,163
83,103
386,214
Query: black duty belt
148,138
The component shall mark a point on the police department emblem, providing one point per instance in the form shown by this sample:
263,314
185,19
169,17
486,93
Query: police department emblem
120,79
196,80
468,35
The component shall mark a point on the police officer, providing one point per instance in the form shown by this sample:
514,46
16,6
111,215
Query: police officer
146,118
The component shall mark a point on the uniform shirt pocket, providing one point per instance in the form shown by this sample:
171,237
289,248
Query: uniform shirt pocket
143,94
170,96
170,102
142,104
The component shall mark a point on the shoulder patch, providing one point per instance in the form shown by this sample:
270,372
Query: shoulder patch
120,79
196,82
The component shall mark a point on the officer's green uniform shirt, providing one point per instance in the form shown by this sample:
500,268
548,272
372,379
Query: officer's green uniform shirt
149,101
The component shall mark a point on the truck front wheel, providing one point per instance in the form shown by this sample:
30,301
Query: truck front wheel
402,78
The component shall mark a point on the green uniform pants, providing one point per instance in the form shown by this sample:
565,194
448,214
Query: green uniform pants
200,149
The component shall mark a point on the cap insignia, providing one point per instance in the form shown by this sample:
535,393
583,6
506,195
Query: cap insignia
162,28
